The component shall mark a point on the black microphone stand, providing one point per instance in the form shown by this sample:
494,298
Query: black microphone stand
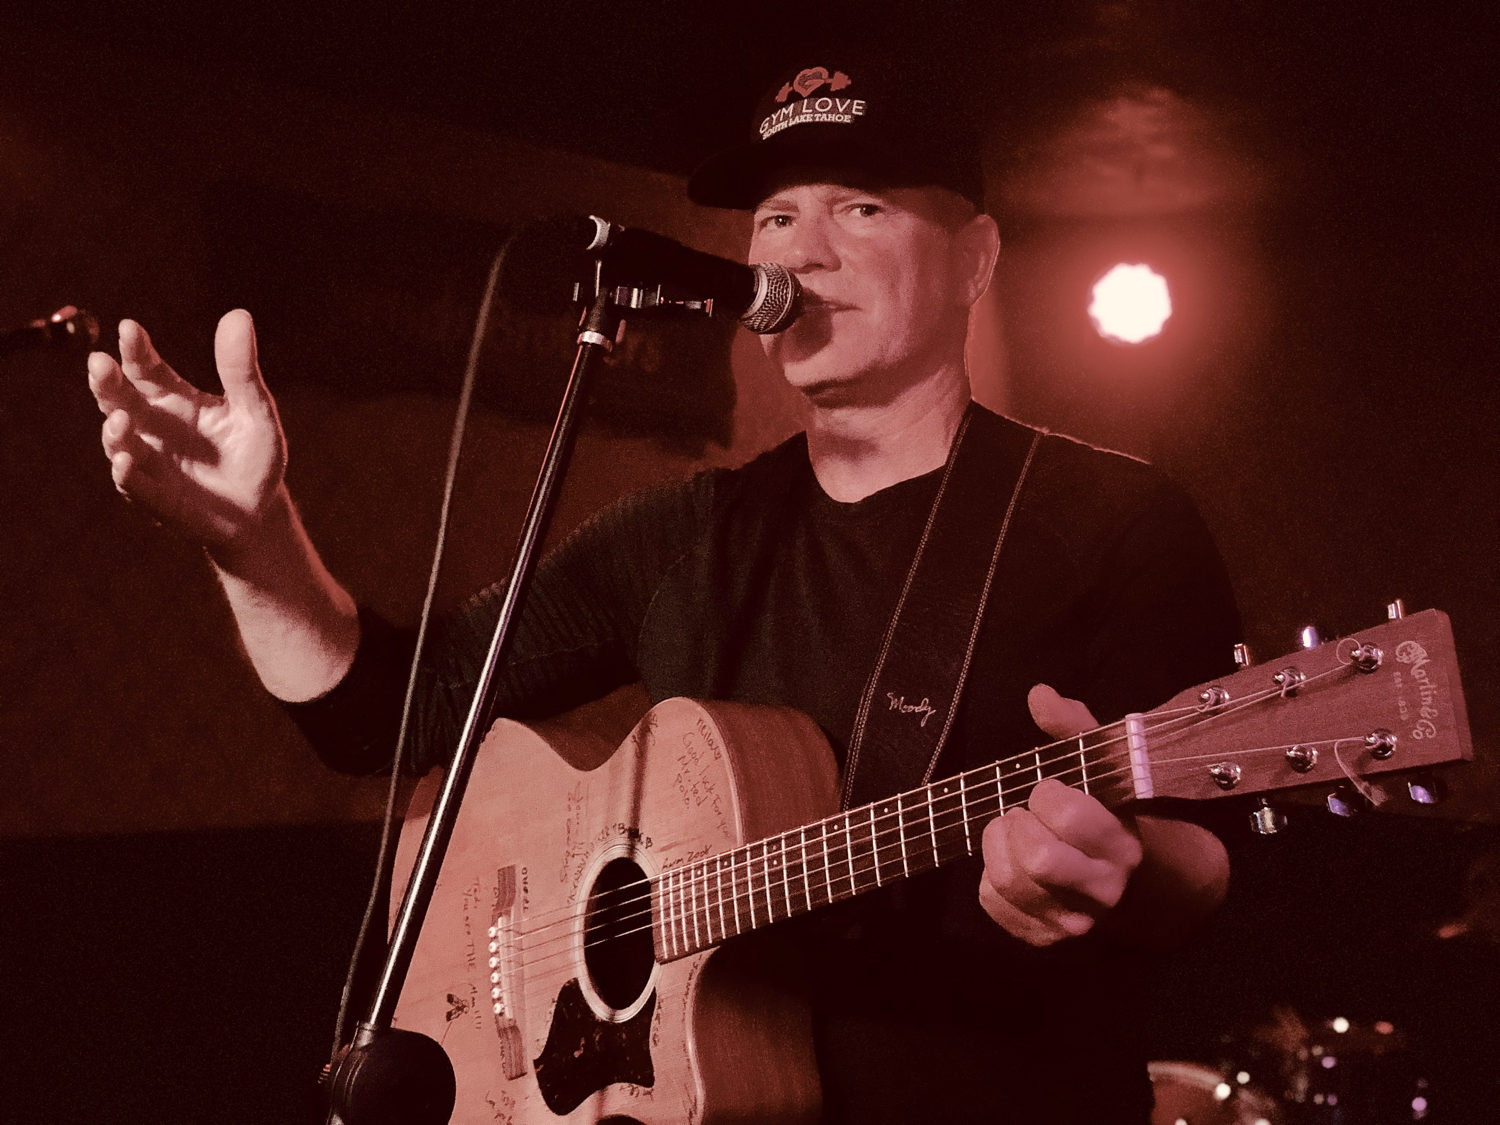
388,1076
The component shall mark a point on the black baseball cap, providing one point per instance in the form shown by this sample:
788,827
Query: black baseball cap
864,117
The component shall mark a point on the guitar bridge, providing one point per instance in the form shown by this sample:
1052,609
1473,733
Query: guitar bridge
504,978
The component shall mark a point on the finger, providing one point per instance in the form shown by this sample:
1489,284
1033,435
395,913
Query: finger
111,390
132,462
1030,929
1005,881
145,369
1063,872
1058,715
238,360
1082,822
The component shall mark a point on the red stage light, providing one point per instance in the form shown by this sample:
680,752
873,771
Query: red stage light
1130,304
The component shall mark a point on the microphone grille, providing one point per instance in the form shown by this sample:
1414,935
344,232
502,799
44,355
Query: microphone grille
778,299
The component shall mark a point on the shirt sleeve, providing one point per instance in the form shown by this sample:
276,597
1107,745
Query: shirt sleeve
575,640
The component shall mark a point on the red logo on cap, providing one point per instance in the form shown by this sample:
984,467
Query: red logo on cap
810,79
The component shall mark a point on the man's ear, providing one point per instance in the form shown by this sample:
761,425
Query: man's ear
976,249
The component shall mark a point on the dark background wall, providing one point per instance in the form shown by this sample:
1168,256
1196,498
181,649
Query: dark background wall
181,881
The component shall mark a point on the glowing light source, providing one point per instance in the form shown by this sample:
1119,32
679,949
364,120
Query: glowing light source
1222,1091
1341,1025
1242,1077
1130,304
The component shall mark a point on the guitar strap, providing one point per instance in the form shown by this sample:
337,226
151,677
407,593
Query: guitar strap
911,698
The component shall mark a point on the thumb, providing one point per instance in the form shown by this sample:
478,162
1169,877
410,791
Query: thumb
238,361
1057,715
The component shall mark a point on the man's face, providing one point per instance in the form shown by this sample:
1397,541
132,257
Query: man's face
886,285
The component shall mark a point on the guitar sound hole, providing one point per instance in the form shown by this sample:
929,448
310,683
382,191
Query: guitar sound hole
617,946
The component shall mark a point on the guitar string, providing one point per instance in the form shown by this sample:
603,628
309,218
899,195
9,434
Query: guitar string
765,892
1165,719
865,863
566,915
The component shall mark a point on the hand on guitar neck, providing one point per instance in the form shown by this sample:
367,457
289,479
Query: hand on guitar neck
1064,863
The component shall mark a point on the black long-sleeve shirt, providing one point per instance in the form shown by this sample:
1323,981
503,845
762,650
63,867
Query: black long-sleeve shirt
753,585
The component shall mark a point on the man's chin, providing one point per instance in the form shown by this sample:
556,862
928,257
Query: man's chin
829,391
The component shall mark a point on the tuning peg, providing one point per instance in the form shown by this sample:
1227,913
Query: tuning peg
1427,790
1395,610
1344,801
1242,657
1266,821
1308,637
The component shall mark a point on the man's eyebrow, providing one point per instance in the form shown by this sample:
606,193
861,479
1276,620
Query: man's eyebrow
777,203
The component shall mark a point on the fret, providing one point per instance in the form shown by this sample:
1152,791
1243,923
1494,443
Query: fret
1037,755
786,891
750,887
849,843
963,800
901,832
734,894
693,904
672,911
875,845
681,911
827,867
1083,764
806,889
766,864
932,824
719,894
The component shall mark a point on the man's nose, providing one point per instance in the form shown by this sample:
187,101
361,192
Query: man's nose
811,247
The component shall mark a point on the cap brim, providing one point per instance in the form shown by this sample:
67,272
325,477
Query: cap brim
740,177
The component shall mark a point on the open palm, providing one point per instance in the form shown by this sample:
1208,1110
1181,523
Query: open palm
206,466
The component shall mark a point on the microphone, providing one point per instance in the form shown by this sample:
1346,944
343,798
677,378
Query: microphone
571,258
66,327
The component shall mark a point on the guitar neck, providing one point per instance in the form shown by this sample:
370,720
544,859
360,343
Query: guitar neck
699,905
1386,700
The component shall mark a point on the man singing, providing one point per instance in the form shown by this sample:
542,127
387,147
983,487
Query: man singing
997,989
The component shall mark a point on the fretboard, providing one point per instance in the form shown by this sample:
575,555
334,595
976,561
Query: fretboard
696,906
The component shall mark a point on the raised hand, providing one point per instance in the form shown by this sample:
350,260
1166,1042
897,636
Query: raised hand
212,469
1053,868
209,468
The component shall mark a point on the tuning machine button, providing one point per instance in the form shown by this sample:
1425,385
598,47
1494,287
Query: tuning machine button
1266,821
1427,790
1226,775
1242,657
1345,801
1367,657
1308,637
1381,744
1395,610
1302,758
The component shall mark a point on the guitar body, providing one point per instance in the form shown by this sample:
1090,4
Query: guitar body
589,1030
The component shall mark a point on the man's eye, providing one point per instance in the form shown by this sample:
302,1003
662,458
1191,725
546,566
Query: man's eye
779,222
867,210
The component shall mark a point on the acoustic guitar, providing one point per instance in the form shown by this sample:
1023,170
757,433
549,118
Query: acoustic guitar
568,963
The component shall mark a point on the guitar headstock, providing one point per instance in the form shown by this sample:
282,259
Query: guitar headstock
1386,699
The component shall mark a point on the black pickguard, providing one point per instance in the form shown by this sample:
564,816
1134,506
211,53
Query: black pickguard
584,1054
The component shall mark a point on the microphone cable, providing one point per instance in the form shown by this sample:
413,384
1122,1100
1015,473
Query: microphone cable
385,862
